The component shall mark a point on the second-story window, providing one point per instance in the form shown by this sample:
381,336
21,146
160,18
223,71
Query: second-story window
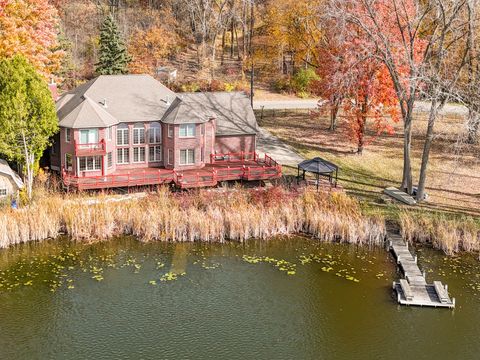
187,130
170,130
109,133
139,134
154,133
122,135
68,135
88,137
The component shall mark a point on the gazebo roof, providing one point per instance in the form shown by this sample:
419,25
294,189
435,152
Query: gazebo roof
318,166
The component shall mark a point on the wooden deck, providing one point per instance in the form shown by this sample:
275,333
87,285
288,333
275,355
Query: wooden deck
415,290
248,169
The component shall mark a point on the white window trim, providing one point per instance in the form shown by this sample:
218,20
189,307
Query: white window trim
94,163
136,130
170,130
170,157
68,135
122,130
144,155
123,156
187,126
109,133
186,157
66,162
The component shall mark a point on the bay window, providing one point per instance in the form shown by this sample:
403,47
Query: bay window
138,154
123,156
122,135
138,134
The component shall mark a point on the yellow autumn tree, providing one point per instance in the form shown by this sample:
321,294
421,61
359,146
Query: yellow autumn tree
290,27
29,28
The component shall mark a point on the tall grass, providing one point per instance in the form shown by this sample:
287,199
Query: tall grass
204,215
448,234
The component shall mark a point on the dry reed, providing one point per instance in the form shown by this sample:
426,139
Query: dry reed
449,235
204,215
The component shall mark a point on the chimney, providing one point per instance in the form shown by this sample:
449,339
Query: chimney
52,86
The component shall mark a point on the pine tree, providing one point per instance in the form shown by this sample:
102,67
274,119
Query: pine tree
114,57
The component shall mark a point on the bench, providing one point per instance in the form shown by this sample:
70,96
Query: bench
441,292
407,291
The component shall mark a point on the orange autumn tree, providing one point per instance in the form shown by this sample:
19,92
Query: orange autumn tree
150,49
29,28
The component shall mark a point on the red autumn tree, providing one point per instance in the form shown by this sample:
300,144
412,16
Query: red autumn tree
352,78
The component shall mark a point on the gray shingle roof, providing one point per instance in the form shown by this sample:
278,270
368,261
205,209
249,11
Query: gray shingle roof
6,170
133,98
231,110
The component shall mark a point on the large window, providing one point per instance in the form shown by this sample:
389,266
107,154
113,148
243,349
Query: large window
89,136
155,133
187,157
187,130
123,156
68,162
122,135
138,134
155,153
138,154
90,163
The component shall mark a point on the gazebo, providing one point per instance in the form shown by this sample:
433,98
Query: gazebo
319,167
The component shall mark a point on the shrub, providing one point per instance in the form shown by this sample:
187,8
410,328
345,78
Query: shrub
303,78
282,85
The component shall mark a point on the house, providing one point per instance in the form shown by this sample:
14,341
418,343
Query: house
166,73
10,182
129,130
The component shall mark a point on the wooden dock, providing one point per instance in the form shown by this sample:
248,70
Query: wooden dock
413,289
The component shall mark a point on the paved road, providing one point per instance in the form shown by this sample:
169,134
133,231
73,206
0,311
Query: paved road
284,104
420,106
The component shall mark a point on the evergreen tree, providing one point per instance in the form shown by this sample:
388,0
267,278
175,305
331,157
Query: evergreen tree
27,115
114,57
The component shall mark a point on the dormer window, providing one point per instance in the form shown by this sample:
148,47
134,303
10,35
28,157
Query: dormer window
187,130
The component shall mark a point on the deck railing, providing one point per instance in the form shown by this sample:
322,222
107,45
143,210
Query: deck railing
90,148
268,169
233,157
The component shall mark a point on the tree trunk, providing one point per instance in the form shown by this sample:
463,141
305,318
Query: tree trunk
333,115
426,150
407,182
232,40
473,126
223,46
29,168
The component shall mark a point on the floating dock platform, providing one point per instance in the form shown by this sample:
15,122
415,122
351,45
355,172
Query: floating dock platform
413,289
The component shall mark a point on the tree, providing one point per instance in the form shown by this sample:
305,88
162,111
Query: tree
150,48
27,115
113,55
29,28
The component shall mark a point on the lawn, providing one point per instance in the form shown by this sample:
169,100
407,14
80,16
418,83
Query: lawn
453,183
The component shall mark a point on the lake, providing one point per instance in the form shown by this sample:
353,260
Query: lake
292,298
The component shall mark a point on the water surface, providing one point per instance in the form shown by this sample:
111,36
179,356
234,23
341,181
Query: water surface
289,298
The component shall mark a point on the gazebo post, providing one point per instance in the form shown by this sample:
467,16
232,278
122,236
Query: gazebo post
303,174
318,180
336,177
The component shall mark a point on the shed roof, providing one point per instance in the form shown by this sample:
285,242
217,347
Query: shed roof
318,166
6,170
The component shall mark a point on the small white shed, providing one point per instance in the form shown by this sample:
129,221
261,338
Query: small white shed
10,182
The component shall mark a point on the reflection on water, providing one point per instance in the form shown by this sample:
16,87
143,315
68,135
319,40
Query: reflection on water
283,299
